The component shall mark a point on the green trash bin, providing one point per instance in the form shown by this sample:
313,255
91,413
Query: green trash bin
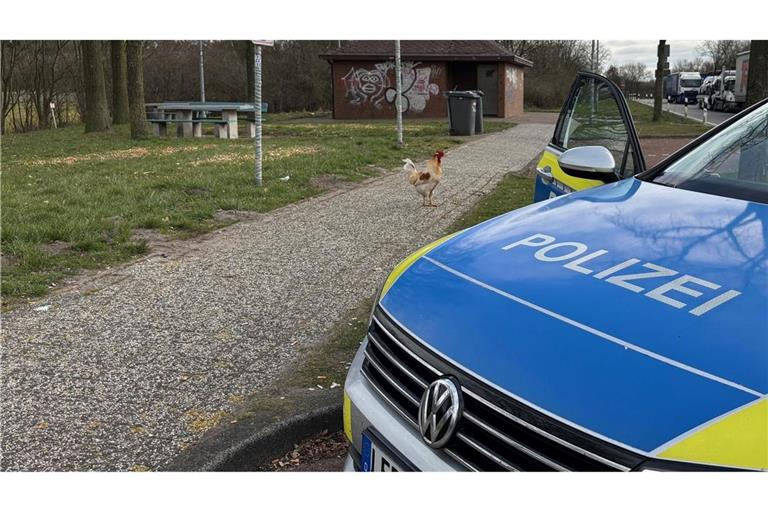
462,112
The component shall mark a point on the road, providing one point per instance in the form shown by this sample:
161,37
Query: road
713,118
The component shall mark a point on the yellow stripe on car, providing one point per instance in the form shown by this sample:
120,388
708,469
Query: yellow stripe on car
738,440
407,262
347,415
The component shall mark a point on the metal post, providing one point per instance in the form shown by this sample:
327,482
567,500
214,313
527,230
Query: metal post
257,110
592,58
597,56
705,115
399,97
202,75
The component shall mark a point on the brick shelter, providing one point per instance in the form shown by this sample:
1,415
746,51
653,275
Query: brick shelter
364,79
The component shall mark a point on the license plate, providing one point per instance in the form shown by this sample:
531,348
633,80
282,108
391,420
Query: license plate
375,458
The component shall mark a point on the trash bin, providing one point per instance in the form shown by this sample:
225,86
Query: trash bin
479,128
462,112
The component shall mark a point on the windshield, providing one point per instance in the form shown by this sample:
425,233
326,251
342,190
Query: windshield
733,163
691,82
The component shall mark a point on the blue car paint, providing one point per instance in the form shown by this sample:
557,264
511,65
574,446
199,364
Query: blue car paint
543,191
622,394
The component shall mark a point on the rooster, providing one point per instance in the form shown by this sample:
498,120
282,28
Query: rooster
425,180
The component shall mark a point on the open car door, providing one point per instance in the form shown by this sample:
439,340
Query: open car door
594,114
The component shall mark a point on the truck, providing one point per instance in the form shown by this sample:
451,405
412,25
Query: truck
729,90
705,92
682,87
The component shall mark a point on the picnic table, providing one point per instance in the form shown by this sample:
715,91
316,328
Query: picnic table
190,116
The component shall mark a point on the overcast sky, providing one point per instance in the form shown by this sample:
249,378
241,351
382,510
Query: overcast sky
627,51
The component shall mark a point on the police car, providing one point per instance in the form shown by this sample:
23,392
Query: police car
620,327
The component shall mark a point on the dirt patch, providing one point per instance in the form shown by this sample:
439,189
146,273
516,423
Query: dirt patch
6,260
170,150
330,182
157,241
230,216
323,452
56,247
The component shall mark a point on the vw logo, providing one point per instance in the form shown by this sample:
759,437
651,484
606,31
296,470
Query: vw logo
439,412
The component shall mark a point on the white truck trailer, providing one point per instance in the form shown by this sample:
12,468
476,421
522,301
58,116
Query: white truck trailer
742,71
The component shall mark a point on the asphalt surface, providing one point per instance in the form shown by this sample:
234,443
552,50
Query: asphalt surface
127,375
713,118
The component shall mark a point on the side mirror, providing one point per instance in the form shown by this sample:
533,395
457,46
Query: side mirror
590,162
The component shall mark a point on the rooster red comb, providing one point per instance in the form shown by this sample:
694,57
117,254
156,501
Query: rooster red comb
439,154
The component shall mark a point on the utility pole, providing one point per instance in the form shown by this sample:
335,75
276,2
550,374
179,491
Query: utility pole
592,58
662,68
399,97
257,111
202,74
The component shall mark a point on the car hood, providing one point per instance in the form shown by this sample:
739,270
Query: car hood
617,355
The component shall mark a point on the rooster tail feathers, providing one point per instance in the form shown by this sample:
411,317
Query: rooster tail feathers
409,165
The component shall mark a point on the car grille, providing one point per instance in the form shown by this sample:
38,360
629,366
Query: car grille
495,433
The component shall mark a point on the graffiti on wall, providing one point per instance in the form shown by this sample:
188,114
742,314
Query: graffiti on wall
375,87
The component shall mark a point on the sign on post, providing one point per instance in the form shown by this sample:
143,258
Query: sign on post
53,113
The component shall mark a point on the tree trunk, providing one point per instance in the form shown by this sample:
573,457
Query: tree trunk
96,109
135,54
757,81
119,83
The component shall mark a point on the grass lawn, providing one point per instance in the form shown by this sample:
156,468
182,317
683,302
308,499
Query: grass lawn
511,192
72,201
670,125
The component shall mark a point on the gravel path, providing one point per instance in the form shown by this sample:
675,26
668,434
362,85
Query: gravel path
125,377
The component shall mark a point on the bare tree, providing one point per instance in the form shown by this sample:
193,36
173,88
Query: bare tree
119,82
757,80
722,52
613,74
632,75
555,64
9,95
697,64
135,68
96,110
